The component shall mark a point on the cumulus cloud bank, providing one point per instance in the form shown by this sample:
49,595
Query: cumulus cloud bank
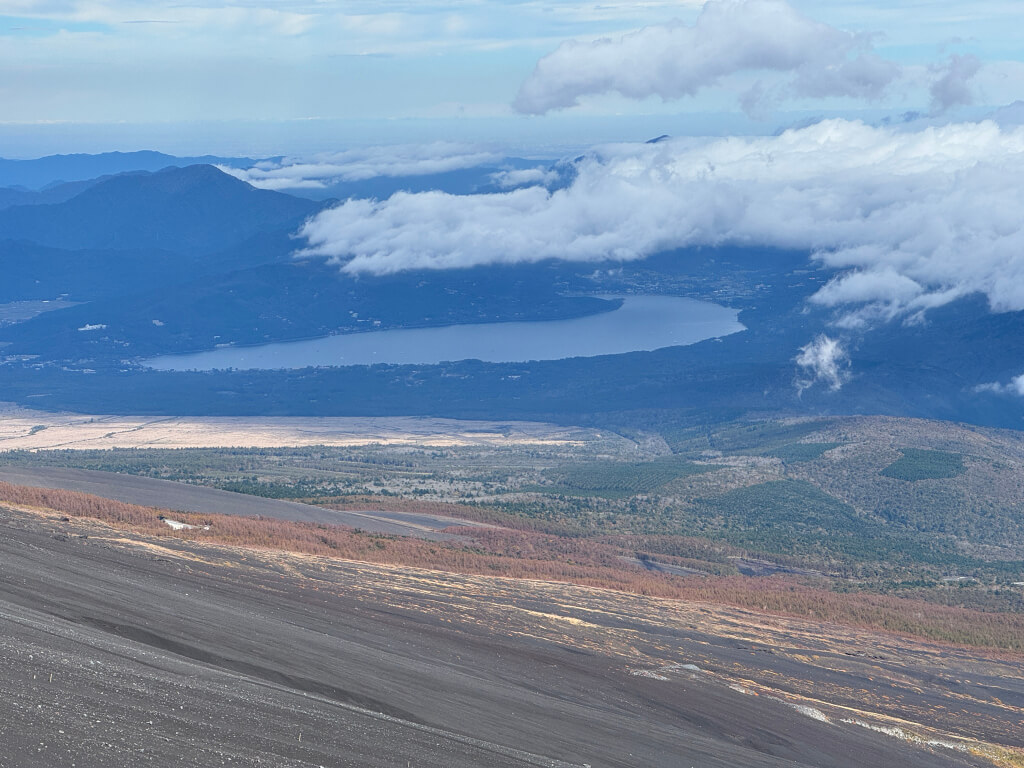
910,219
325,170
730,36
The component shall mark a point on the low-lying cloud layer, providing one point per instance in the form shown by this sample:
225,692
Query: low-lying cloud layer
729,37
912,220
526,177
325,170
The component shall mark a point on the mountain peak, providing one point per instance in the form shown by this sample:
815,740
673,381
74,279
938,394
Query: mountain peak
194,209
37,173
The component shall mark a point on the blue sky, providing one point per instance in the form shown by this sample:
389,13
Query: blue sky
260,76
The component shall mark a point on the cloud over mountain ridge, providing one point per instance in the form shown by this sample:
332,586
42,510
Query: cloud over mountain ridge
360,164
913,218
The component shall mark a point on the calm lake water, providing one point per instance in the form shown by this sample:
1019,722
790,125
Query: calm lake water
642,323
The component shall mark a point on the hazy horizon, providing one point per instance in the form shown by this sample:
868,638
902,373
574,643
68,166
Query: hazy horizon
291,77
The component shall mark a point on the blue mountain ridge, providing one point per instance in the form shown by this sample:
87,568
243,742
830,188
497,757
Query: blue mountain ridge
197,209
38,173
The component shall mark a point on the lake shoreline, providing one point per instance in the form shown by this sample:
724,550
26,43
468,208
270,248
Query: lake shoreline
640,323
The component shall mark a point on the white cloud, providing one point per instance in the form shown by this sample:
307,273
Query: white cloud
353,27
360,164
910,219
200,61
1014,387
526,177
953,87
234,17
730,36
824,361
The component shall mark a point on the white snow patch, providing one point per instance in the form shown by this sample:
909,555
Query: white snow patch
647,673
180,526
663,672
811,712
899,733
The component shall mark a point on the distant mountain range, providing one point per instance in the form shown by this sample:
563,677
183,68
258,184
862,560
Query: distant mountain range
184,259
57,178
44,172
196,210
52,193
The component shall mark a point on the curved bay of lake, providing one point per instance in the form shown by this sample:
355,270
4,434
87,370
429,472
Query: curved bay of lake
641,324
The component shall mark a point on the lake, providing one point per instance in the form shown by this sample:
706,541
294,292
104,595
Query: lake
642,323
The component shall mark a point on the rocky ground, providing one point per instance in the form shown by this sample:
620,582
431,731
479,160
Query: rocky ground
174,496
118,650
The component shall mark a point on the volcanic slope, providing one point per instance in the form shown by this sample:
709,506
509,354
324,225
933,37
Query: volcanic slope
122,650
176,496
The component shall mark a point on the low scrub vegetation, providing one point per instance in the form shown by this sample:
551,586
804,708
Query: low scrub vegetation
535,555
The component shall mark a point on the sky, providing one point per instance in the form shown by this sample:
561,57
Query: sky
268,77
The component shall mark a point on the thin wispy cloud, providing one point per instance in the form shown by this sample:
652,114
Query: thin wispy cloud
362,20
324,170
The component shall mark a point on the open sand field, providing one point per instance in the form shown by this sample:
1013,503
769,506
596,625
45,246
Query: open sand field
22,429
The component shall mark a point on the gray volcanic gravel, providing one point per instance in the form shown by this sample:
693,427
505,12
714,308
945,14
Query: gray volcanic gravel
120,656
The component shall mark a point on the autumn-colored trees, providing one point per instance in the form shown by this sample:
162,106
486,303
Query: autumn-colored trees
543,555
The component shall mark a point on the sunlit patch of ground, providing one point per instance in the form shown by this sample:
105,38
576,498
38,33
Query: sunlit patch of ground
22,429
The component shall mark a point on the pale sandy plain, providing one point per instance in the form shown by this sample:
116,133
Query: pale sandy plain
23,429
